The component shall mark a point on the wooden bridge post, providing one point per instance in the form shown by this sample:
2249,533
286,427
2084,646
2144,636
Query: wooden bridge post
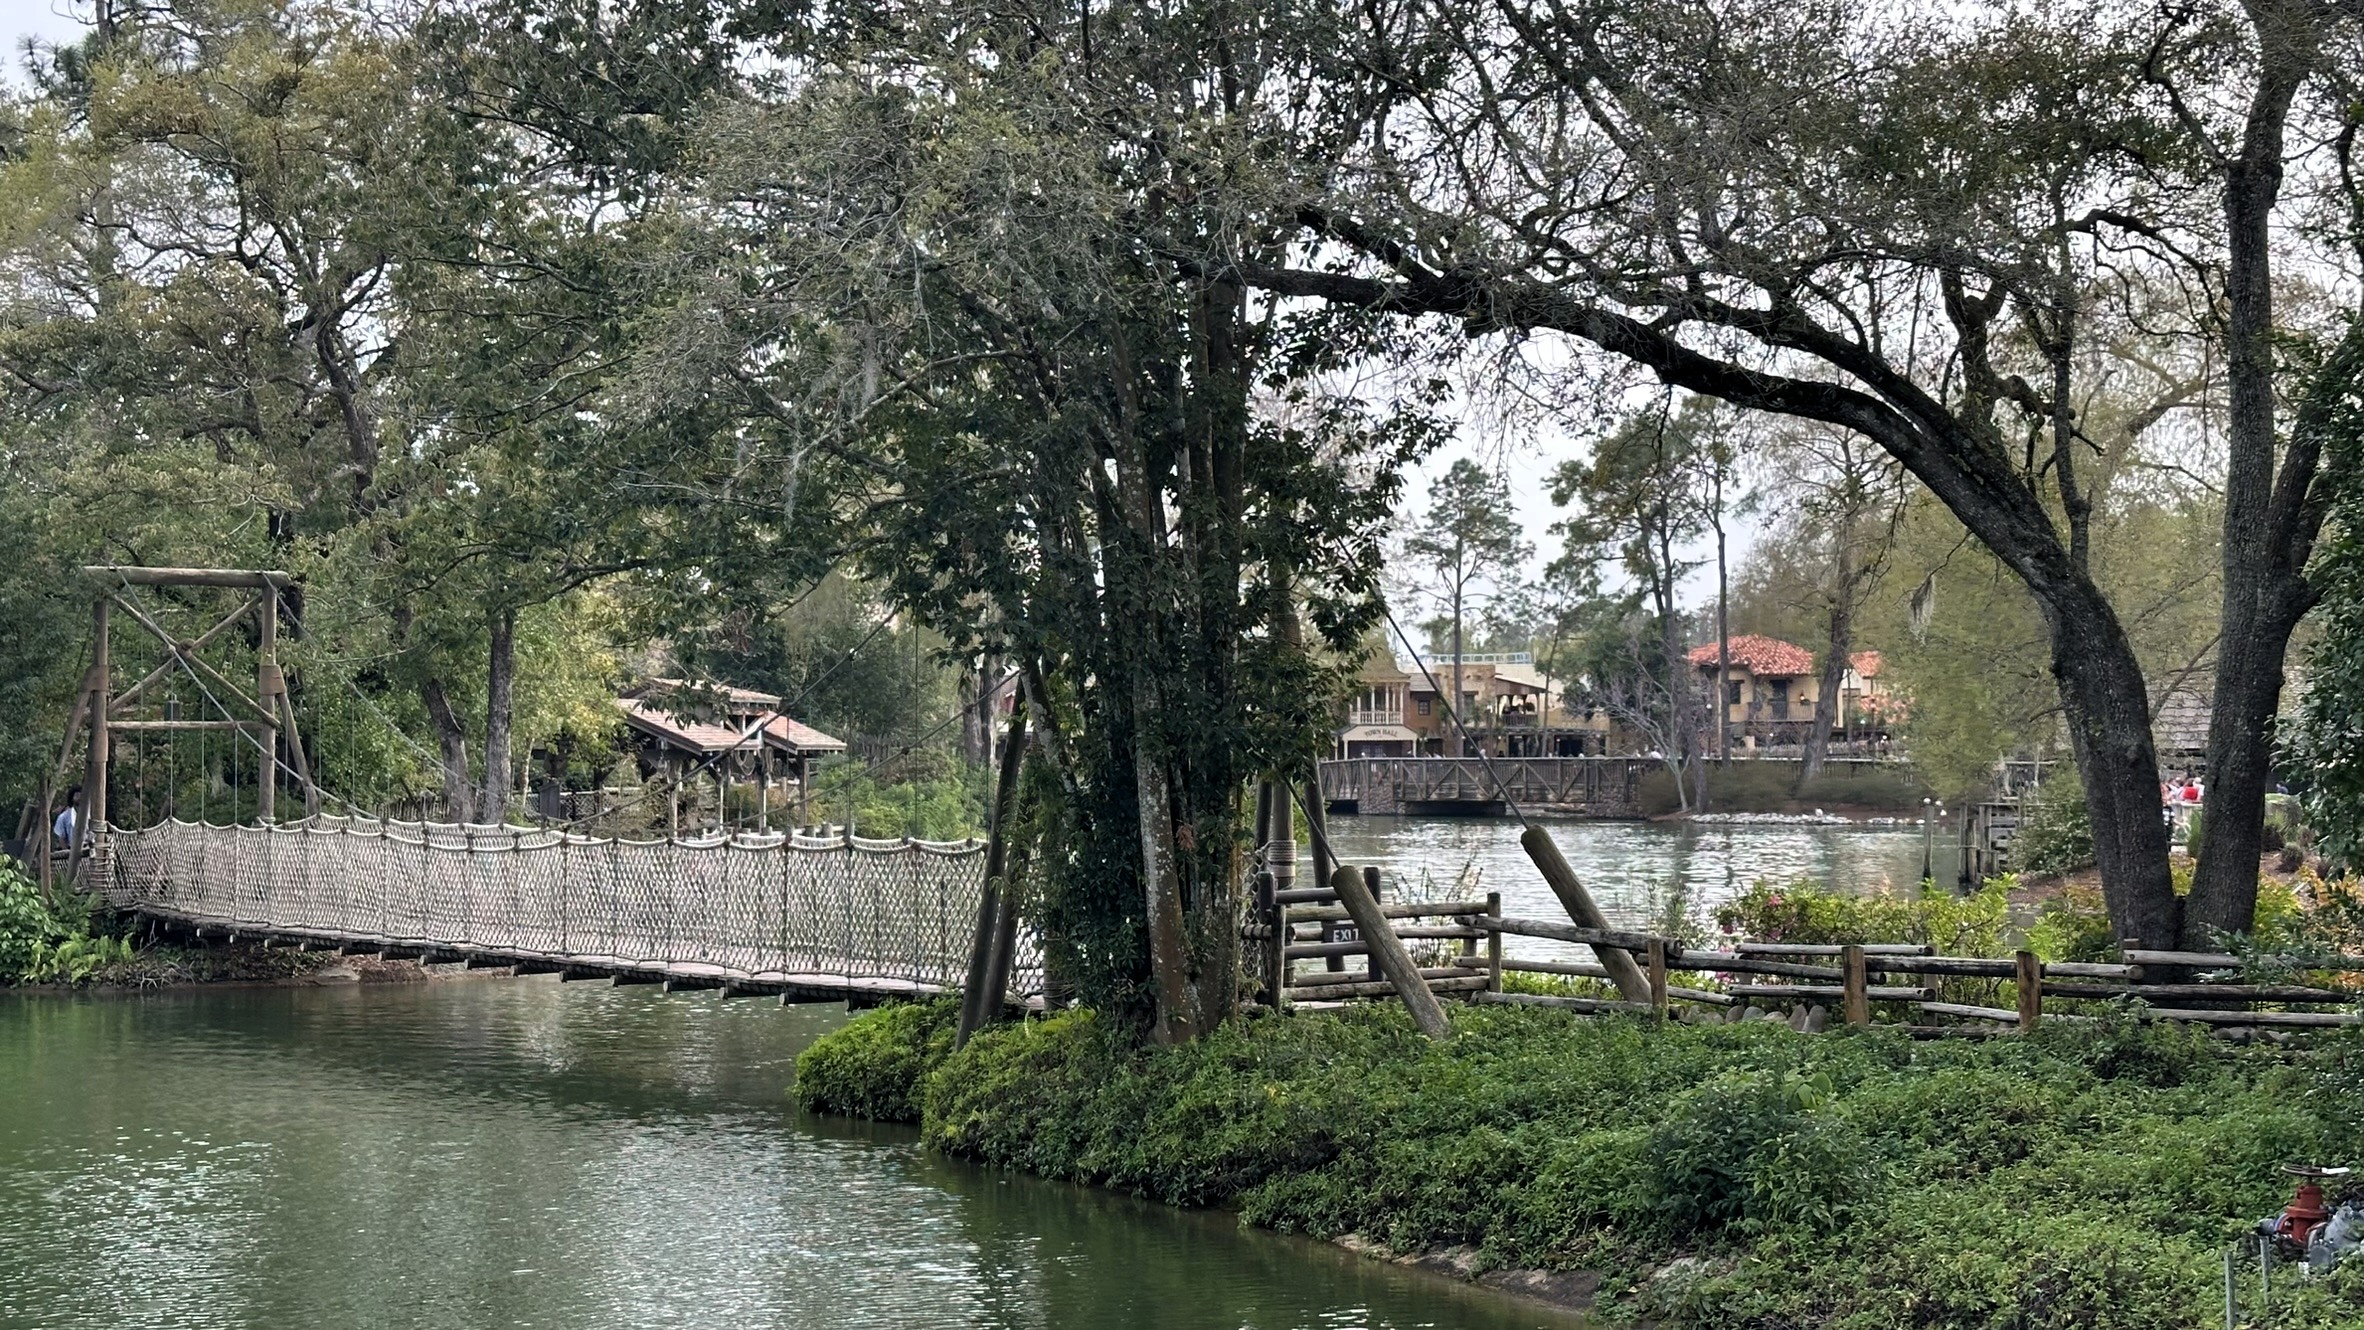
1280,857
1273,948
266,665
1317,821
94,789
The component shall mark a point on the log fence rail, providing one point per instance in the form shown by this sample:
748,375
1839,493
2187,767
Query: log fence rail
1462,944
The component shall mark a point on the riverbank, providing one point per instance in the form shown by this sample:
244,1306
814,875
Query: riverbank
248,964
1726,1176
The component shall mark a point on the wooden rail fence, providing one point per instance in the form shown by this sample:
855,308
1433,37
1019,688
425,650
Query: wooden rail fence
1461,947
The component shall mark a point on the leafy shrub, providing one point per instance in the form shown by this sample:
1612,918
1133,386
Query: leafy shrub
2117,1044
2285,826
874,1066
45,943
1749,1150
928,806
25,922
2054,835
2073,925
1971,925
2084,1177
77,959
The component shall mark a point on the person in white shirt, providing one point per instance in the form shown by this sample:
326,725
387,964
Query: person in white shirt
68,821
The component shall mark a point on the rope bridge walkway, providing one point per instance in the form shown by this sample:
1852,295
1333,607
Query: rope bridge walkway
806,918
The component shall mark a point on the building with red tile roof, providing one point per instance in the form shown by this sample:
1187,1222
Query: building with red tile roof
1772,686
1762,657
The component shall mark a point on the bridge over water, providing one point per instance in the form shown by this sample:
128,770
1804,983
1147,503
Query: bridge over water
1581,786
804,917
809,919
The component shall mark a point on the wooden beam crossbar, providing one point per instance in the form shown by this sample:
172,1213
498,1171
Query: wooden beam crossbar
213,577
261,714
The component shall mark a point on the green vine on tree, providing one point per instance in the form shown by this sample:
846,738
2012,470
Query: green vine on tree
2323,743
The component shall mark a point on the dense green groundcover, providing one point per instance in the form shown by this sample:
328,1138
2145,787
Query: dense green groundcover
1727,1176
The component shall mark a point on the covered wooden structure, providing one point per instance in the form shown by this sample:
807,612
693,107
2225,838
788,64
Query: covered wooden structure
682,726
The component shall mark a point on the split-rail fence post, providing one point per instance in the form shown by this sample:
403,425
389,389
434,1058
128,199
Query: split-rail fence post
1857,998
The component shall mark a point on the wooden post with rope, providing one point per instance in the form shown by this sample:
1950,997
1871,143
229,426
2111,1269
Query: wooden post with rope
1632,984
1388,950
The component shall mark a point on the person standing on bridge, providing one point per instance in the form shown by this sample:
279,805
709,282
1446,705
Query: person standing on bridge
69,820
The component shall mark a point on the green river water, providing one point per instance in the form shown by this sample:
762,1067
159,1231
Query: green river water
495,1152
488,1152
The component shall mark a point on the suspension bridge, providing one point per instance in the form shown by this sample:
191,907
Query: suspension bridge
810,918
806,918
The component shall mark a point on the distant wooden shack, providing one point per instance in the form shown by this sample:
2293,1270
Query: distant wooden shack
683,726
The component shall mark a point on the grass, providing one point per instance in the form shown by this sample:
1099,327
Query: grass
1729,1176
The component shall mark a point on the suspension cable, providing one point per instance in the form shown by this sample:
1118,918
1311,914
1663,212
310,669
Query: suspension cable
1452,713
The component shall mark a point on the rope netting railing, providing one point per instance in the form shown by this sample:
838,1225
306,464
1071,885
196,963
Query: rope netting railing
758,907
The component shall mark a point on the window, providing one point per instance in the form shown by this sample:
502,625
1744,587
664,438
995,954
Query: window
1733,688
1424,705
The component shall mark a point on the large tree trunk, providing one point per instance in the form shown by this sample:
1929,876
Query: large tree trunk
459,795
2109,724
1682,726
2264,575
1826,698
500,710
1723,704
1834,662
1169,950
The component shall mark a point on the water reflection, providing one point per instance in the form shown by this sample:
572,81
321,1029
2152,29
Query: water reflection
1644,874
526,1153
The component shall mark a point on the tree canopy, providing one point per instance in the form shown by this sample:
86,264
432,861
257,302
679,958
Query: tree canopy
1089,345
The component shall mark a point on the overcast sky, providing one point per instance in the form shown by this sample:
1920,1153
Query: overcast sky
42,20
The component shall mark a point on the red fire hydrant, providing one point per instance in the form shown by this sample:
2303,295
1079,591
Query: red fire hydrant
2306,1211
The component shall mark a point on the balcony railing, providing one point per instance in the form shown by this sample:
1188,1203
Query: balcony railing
1358,716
